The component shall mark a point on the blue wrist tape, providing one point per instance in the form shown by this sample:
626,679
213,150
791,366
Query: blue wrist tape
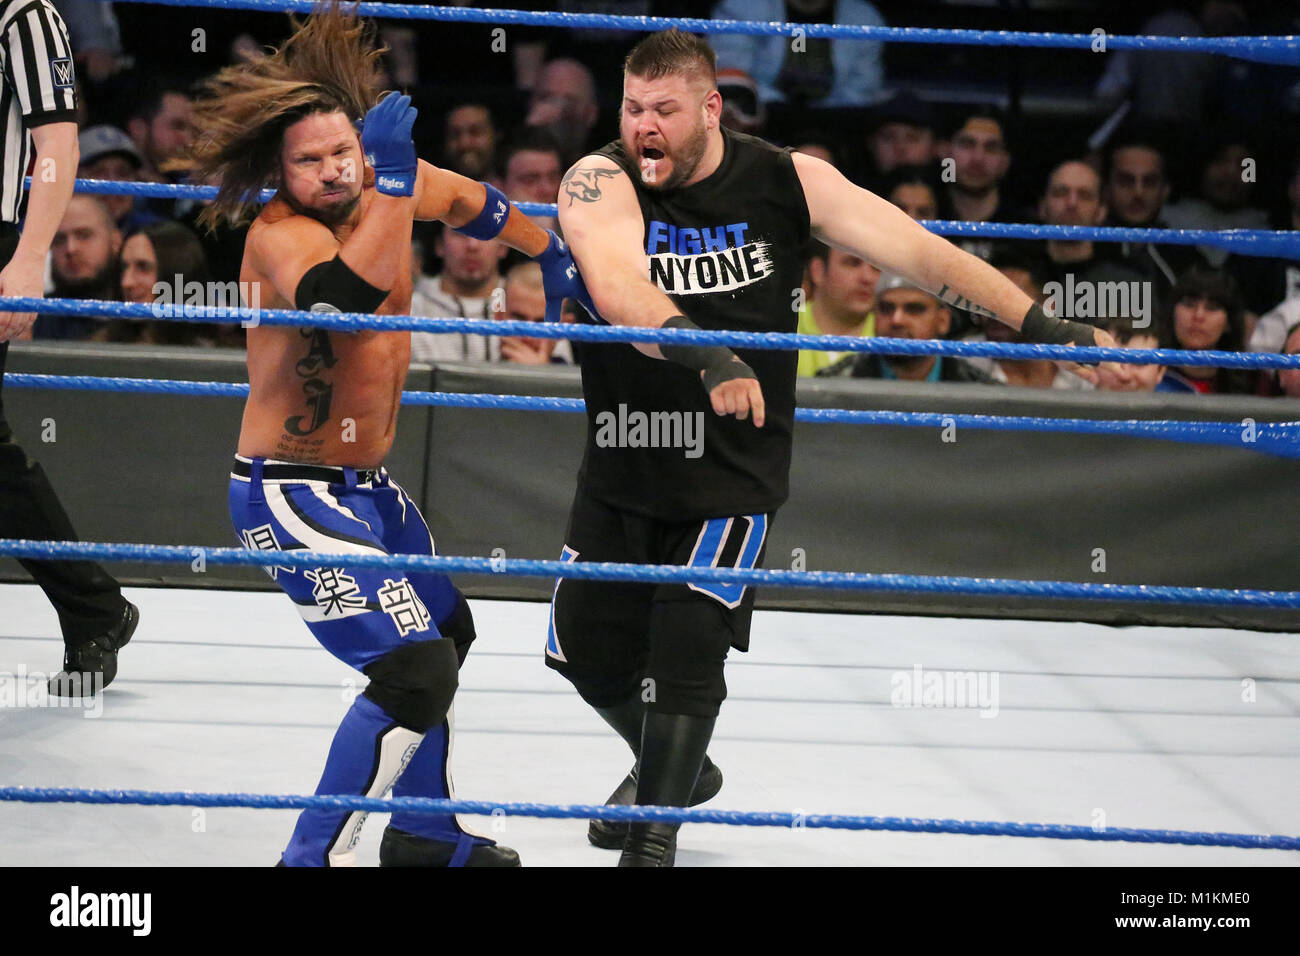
491,218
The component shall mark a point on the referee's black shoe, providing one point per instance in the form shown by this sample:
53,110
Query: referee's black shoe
90,667
610,834
399,848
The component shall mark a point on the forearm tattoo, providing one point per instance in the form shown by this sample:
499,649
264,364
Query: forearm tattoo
950,297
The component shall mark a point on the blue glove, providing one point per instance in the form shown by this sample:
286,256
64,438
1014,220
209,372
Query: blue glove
386,139
561,279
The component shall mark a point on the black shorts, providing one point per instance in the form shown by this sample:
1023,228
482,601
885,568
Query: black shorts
666,642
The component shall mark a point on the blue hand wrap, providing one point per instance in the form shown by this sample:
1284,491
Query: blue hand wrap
561,279
491,218
386,139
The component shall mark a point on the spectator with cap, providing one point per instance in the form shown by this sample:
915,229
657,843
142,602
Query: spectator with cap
108,153
843,289
742,106
816,72
469,141
905,311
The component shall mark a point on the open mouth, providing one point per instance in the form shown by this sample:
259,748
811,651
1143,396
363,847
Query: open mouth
649,152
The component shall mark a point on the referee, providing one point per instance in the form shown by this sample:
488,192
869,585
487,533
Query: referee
37,104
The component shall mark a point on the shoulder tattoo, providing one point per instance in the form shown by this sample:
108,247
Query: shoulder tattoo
583,185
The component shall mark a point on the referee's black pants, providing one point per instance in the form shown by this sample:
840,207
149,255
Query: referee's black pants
87,599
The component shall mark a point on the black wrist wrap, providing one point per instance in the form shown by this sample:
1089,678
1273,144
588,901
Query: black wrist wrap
1046,329
718,363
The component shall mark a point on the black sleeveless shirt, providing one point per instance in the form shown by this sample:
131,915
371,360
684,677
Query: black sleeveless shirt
729,251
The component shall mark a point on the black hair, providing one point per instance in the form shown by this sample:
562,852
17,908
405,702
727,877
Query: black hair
1221,289
532,139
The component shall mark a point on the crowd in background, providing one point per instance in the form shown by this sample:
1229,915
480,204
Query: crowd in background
1148,140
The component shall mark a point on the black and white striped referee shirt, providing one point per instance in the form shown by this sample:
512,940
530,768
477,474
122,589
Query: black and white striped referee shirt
36,59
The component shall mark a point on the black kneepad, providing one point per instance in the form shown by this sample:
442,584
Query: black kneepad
415,683
459,628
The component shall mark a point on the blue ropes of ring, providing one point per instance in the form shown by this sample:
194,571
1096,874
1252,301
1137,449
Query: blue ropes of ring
1277,438
582,332
1251,242
268,801
652,573
1262,49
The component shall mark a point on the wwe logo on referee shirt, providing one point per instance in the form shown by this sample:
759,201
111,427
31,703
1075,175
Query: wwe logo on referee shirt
61,72
651,430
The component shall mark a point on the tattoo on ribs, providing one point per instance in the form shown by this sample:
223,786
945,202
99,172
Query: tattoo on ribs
316,390
583,185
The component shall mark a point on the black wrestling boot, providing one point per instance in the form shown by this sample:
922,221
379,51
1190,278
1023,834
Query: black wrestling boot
90,667
627,719
672,751
399,848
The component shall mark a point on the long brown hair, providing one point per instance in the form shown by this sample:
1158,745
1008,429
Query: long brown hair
329,64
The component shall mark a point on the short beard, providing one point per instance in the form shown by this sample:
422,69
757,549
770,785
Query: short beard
692,153
102,285
335,216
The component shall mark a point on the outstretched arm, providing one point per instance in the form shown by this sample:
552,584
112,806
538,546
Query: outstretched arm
602,221
483,212
457,200
855,220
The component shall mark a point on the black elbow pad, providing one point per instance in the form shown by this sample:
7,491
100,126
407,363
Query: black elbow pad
333,287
